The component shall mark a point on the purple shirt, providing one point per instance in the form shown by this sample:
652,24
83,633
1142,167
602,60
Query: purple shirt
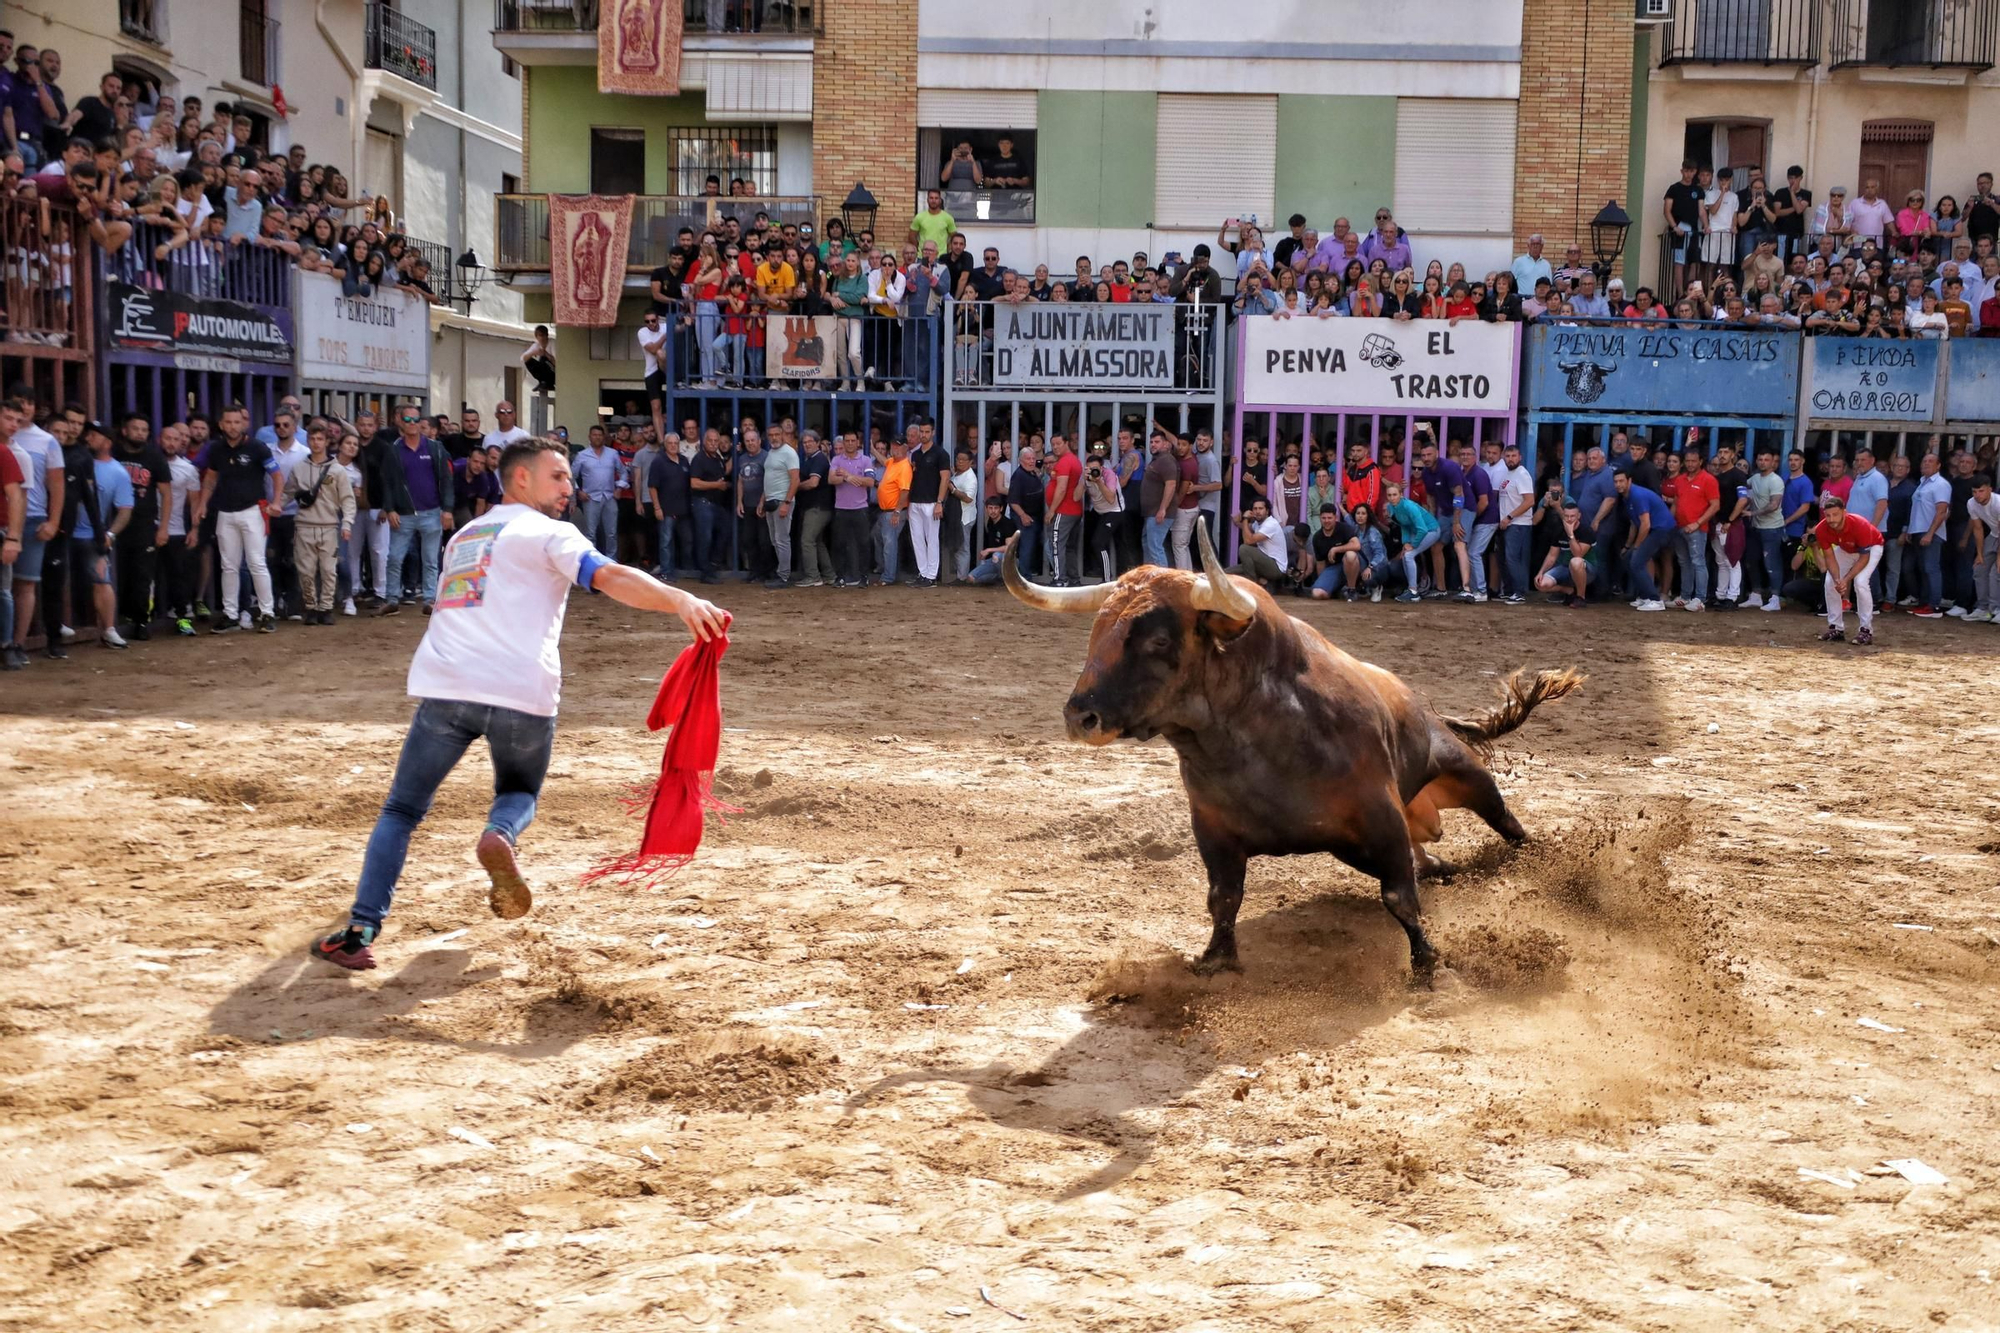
1444,483
1331,255
26,100
1478,483
850,497
1393,251
418,475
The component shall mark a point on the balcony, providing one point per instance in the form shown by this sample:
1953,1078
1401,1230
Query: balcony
1742,32
257,43
521,242
1929,34
564,32
397,44
142,19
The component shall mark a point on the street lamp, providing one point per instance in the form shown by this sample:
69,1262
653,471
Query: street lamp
857,211
1607,235
472,275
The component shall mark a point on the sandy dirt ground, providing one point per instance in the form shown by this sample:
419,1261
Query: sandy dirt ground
913,1040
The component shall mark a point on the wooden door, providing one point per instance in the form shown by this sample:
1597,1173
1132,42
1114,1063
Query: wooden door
1746,150
1901,165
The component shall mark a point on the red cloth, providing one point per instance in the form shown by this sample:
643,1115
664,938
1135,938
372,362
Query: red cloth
690,702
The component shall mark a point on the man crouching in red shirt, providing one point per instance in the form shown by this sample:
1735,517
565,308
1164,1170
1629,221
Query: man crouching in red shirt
1851,548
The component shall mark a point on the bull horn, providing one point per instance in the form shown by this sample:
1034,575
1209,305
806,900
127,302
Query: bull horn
1078,601
1220,593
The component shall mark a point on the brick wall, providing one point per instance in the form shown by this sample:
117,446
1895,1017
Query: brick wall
865,104
1573,140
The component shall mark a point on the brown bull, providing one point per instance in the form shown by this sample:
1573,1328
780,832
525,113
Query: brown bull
1288,746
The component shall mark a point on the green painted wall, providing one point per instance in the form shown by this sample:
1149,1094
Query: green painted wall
564,105
1096,155
1635,170
1336,158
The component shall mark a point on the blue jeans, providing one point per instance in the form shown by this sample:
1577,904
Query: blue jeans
427,525
1412,551
1029,550
707,517
987,571
1640,563
600,525
438,738
1153,539
6,606
707,325
1514,540
1931,561
1693,550
1770,554
1475,551
889,542
666,546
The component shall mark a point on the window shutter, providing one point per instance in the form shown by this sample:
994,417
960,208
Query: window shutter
1217,158
1455,165
974,109
759,87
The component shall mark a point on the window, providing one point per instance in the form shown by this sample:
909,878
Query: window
947,156
144,19
1217,158
509,68
1736,144
509,183
617,161
731,153
1455,165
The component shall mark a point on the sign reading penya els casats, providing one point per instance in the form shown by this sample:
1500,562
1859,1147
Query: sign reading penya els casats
1710,371
1378,365
1083,346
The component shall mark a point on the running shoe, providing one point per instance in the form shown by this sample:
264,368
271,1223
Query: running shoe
509,897
348,948
1979,617
1928,613
1865,637
1754,602
1832,634
184,627
1694,604
222,625
201,611
1374,594
267,624
1407,596
111,638
1650,604
347,608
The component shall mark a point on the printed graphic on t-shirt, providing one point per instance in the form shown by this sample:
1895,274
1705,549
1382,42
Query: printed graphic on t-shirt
462,581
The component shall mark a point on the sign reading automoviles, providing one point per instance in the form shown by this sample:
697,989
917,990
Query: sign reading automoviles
145,319
1083,346
380,339
1376,365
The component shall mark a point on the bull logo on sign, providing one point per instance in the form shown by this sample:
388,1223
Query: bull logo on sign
1380,353
1586,380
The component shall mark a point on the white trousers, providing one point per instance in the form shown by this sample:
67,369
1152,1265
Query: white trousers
1728,577
1183,533
371,530
924,526
1864,588
240,537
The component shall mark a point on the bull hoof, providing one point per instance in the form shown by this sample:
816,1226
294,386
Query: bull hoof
1423,972
1206,966
1436,869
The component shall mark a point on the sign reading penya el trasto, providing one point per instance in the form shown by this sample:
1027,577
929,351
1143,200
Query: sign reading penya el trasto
1374,365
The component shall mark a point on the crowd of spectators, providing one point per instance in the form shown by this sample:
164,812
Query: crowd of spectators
1746,254
161,184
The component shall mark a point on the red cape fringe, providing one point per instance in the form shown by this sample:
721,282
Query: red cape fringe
690,703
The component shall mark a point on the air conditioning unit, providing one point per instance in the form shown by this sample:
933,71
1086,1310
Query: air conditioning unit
1652,12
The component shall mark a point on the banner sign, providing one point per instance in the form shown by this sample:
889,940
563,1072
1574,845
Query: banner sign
1378,365
800,347
1873,379
1673,371
588,235
1973,393
1083,346
382,340
160,321
639,47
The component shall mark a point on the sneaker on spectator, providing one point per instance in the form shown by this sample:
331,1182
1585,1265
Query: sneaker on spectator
1436,595
12,659
1574,603
1677,603
1979,617
1831,634
347,608
1955,612
1649,604
184,626
1928,613
221,626
243,620
1693,604
1513,599
1754,602
1407,596
201,611
267,624
111,638
1865,637
1478,598
1773,605
55,652
389,609
1374,594
1906,601
68,634
1634,603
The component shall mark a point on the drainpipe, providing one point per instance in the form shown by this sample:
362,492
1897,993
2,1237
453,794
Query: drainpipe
1812,135
357,115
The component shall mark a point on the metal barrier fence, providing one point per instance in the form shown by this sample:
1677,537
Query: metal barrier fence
47,328
164,258
521,224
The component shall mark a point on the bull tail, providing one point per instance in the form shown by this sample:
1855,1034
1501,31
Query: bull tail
1520,698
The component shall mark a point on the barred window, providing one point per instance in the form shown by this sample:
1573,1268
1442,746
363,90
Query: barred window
730,153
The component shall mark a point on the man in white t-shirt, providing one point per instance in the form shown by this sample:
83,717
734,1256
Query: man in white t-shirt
287,439
1514,493
1263,554
653,342
1871,217
507,432
489,666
